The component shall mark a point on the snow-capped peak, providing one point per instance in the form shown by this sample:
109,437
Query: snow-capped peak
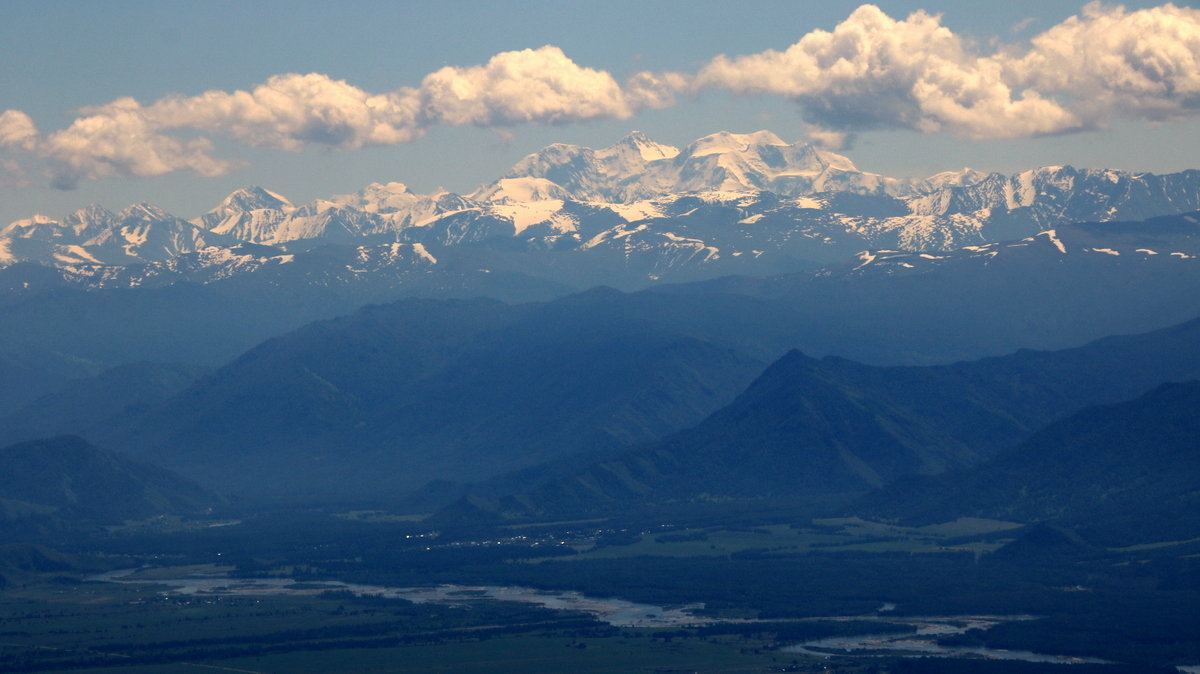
724,142
965,176
252,198
90,214
511,190
30,227
144,210
640,143
250,214
387,197
89,220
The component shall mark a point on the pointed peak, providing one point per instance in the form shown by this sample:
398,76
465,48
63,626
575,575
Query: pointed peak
253,197
638,142
144,210
92,214
94,209
635,138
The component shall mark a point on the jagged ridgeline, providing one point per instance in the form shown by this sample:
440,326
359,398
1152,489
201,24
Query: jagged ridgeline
626,215
812,431
1124,473
449,386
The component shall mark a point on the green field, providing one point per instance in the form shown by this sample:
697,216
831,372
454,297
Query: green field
100,627
830,535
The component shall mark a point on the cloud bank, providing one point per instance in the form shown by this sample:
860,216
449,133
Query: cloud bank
876,72
293,112
870,72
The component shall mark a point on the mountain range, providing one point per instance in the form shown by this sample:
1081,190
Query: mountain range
438,388
193,344
1123,473
809,430
627,215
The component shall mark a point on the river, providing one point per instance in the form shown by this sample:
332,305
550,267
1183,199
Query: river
622,613
924,642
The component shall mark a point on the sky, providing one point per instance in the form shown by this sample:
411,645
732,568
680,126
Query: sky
180,103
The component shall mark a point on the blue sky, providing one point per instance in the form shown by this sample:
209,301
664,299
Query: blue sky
62,57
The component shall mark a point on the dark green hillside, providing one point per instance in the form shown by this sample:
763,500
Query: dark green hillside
65,481
81,403
812,428
50,335
1122,474
393,396
28,373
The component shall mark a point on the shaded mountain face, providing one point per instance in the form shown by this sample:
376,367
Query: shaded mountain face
1122,474
50,334
81,403
393,396
28,372
65,481
809,429
629,215
1054,290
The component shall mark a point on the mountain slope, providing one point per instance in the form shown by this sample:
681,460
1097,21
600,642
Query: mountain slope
394,396
808,429
66,481
637,212
81,403
1054,290
1057,289
1124,473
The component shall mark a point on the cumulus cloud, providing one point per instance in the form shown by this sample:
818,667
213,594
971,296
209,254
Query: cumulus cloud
293,112
828,139
17,130
531,85
876,72
12,175
289,112
655,90
1111,62
873,71
119,139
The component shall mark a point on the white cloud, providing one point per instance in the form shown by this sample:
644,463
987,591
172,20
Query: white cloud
870,72
1114,63
828,139
118,139
291,111
1021,25
12,175
531,85
873,72
17,130
655,90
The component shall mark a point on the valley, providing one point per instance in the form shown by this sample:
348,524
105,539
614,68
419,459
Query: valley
730,407
815,582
